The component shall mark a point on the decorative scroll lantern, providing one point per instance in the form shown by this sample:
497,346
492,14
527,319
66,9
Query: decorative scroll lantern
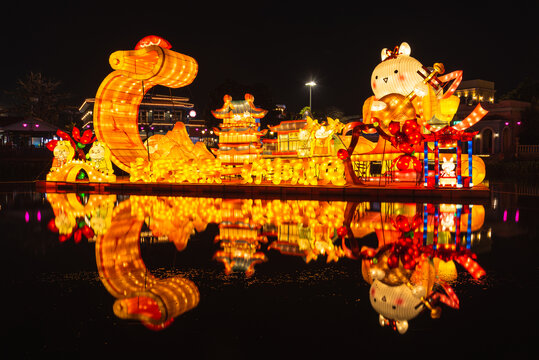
120,94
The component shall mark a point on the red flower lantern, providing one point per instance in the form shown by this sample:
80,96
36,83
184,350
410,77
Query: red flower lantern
78,142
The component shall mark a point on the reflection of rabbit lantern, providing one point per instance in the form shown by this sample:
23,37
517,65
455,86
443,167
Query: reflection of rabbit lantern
399,294
396,303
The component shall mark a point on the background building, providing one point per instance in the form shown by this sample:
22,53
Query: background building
157,113
499,129
474,91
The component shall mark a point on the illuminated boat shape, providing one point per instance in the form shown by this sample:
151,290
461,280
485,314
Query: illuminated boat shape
407,112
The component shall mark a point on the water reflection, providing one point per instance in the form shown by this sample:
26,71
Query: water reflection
410,254
412,267
140,295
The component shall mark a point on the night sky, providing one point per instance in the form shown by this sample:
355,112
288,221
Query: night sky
280,44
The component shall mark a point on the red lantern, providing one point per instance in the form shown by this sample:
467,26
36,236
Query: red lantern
394,127
63,135
414,137
410,126
402,223
52,226
406,148
87,137
417,221
403,162
342,154
77,236
88,232
393,261
416,164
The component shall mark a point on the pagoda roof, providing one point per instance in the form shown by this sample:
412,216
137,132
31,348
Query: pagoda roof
239,107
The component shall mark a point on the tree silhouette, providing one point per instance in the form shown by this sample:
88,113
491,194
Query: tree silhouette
38,96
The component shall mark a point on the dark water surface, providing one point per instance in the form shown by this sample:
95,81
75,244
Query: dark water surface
60,300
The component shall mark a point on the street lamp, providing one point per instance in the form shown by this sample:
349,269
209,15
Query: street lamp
310,84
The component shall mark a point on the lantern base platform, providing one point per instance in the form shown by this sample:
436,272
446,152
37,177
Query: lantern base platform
392,192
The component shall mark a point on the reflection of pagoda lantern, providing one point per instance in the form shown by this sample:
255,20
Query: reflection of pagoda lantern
309,231
239,134
307,242
239,239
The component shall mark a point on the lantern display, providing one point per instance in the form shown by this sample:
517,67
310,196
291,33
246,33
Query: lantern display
406,91
70,163
99,157
120,94
239,134
411,110
63,153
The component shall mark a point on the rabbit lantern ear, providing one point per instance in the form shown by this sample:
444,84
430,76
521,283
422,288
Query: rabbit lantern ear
377,274
405,49
384,54
402,326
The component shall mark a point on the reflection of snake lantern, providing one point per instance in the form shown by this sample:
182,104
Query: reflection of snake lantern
155,302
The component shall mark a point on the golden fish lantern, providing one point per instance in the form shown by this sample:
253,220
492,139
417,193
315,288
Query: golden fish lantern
398,109
121,92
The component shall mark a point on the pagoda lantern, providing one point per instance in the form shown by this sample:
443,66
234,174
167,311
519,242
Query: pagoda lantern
239,134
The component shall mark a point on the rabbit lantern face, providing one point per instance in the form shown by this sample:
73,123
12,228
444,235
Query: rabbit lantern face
397,73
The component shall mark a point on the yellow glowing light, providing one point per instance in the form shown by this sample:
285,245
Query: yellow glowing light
63,153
